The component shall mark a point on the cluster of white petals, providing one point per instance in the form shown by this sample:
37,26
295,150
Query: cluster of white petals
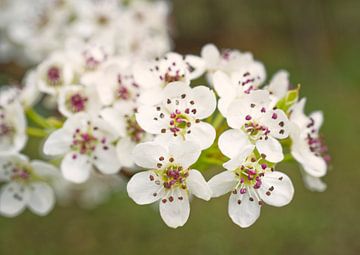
30,30
120,107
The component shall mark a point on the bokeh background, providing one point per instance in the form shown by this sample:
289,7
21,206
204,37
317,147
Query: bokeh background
318,43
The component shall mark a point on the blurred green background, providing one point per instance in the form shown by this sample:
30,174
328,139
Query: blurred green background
318,43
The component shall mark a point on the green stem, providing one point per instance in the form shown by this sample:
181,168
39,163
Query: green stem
36,132
218,120
37,118
288,157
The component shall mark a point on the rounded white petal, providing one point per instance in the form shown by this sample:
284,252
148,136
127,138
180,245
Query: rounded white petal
146,119
279,84
197,185
222,183
115,119
147,154
203,134
211,55
76,167
197,66
205,101
223,85
242,211
318,118
45,169
58,142
143,189
106,159
271,148
176,213
239,159
41,198
313,183
13,199
232,142
184,153
124,148
276,189
151,96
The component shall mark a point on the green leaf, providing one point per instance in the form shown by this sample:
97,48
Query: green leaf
289,99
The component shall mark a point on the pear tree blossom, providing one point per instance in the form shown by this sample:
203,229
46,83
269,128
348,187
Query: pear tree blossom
86,144
154,76
254,121
308,146
251,182
26,184
169,179
179,115
12,128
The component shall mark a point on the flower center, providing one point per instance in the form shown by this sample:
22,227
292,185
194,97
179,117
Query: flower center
77,102
316,143
255,130
174,176
134,131
179,121
54,76
85,142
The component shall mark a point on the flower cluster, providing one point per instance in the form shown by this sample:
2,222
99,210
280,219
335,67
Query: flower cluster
116,118
30,30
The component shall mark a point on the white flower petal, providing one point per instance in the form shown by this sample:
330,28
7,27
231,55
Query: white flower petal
197,66
106,159
41,198
239,159
124,148
143,76
205,101
176,213
146,119
211,55
115,119
232,142
277,122
222,183
58,142
276,189
12,199
145,187
279,84
197,185
203,134
147,154
271,148
184,153
223,85
151,96
313,183
242,211
318,118
76,167
45,169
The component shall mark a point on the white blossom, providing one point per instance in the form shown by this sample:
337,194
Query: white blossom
27,184
308,147
252,182
179,115
86,143
154,76
12,127
254,121
169,179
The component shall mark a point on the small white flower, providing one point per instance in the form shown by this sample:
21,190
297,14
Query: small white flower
54,73
12,128
179,114
128,130
77,98
251,182
26,185
170,179
85,143
254,121
234,86
229,61
307,146
278,86
156,75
